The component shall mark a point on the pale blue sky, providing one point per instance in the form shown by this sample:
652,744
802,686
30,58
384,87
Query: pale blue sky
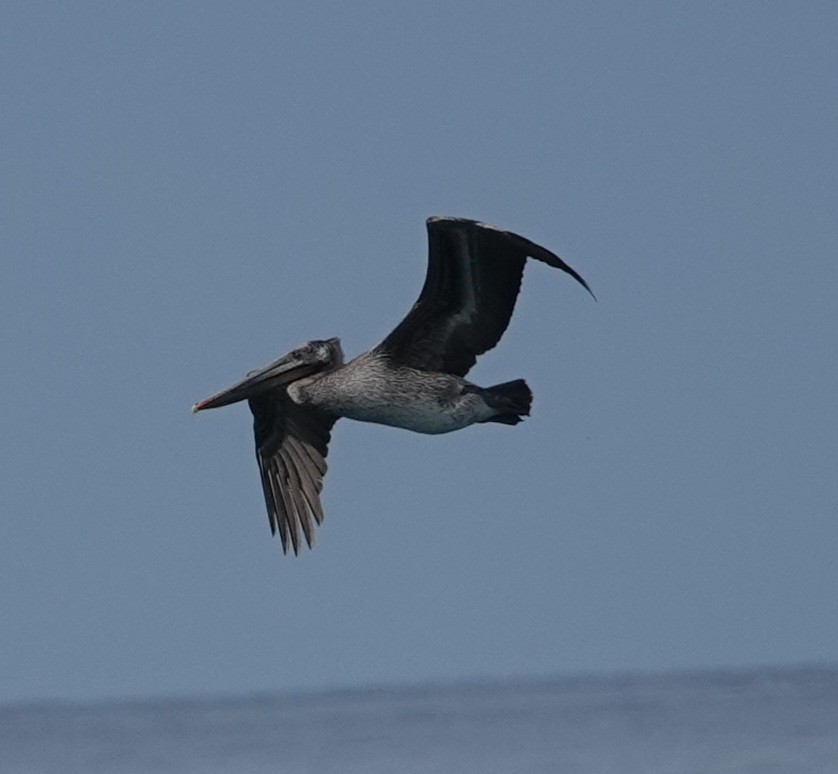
191,189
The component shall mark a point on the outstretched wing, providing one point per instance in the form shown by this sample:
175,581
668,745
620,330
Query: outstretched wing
474,275
291,447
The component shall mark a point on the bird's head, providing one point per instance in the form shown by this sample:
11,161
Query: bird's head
305,360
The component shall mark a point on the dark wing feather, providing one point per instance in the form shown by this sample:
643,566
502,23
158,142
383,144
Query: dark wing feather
291,447
474,275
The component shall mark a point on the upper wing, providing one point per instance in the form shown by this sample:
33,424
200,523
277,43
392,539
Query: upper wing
474,275
291,448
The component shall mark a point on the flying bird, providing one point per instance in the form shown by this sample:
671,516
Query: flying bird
414,379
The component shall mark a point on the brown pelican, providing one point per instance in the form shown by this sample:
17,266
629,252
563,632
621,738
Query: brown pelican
413,379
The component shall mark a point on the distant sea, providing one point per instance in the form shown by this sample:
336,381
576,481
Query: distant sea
761,721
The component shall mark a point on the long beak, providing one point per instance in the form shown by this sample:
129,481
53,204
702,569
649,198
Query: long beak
284,371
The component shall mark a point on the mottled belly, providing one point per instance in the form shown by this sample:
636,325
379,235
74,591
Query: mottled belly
371,390
422,416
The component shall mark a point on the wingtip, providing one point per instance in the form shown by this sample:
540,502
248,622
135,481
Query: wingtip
531,248
587,287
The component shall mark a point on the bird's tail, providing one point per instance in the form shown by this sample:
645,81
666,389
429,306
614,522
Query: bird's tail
512,401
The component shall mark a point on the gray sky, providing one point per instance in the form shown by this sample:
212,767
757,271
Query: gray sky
191,189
